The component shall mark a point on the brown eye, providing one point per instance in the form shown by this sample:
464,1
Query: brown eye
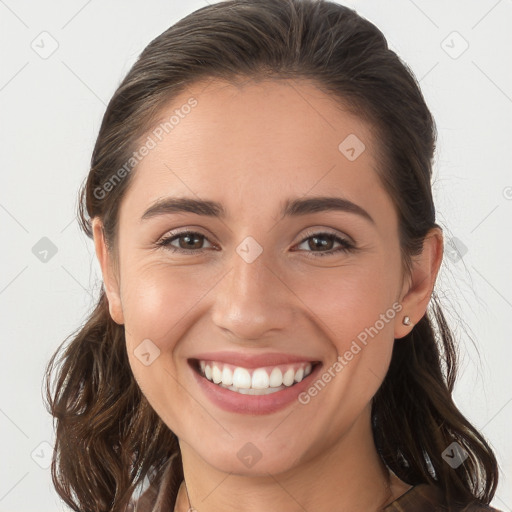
190,241
320,242
323,244
187,241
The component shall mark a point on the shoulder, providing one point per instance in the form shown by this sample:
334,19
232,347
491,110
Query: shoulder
429,498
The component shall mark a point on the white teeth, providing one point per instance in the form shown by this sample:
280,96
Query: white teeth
276,378
241,378
216,374
227,376
260,379
288,377
251,391
257,381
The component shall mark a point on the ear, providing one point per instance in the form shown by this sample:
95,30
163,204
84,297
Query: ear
108,270
418,288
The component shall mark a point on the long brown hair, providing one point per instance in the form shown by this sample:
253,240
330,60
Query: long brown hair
108,438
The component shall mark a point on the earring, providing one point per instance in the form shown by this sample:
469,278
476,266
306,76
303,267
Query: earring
406,320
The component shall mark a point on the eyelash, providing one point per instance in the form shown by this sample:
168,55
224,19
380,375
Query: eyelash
345,245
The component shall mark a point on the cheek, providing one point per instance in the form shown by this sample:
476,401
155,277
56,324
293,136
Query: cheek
162,304
348,299
159,301
356,308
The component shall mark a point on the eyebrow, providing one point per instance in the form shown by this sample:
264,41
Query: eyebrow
291,207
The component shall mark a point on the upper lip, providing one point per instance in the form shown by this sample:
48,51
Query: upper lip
253,360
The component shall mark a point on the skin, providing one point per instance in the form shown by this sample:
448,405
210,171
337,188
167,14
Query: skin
251,146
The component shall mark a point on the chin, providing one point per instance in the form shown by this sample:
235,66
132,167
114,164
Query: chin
240,456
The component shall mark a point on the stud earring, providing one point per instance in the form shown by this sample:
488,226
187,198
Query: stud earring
406,320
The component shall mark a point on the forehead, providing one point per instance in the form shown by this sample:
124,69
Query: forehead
272,137
285,115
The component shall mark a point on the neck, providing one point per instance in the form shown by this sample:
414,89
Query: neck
349,477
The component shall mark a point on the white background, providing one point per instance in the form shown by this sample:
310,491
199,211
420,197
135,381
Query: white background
50,114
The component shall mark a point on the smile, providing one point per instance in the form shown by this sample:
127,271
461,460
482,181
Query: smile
244,383
254,381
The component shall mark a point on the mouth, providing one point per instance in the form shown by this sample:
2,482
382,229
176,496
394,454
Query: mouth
253,385
264,380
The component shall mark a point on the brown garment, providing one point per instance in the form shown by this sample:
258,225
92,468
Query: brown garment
428,498
420,498
160,499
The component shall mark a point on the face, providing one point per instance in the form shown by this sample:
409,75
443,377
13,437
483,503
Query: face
292,303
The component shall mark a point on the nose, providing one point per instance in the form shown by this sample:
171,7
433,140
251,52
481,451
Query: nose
253,300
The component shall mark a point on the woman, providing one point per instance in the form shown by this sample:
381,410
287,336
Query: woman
261,208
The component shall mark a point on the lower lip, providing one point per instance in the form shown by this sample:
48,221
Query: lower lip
253,404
